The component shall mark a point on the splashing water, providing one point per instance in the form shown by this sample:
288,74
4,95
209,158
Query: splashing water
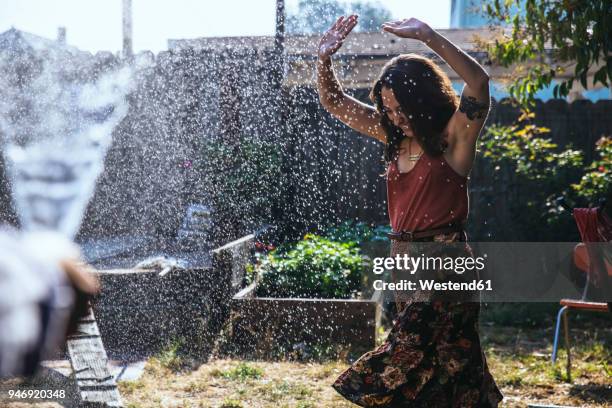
55,148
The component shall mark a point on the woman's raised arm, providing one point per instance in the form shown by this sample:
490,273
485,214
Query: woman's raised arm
358,115
465,125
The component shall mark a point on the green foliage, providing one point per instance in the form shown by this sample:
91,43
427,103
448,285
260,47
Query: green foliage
551,36
315,267
241,372
170,356
316,16
231,403
597,178
242,180
541,173
357,232
546,173
522,146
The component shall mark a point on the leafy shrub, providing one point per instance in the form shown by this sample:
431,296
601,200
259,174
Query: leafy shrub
533,156
546,175
315,267
598,178
540,175
242,180
241,372
171,356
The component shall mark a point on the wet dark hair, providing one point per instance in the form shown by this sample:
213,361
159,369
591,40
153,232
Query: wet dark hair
425,96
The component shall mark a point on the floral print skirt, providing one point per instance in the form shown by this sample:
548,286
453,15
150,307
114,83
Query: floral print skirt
431,358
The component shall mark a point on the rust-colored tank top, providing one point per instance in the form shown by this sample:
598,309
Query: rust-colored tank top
431,195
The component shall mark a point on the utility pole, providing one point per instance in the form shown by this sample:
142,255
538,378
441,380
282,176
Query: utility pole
279,37
61,35
127,29
279,43
278,129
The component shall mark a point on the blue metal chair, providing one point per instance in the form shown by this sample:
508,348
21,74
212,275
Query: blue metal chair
584,257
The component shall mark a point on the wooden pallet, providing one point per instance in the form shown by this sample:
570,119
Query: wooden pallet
96,385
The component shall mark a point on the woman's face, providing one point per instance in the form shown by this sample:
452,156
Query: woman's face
392,109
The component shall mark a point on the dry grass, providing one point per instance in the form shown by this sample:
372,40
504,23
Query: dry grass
233,383
518,358
521,365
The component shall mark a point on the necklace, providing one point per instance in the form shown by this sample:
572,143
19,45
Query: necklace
413,157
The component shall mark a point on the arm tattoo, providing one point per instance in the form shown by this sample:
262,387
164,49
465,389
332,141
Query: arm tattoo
472,108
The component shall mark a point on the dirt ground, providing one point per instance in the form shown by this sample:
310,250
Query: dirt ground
519,359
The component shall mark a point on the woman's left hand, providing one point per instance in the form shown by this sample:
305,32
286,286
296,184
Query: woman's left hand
408,28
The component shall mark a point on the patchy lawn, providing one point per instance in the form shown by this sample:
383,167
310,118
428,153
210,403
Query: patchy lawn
521,365
233,383
519,359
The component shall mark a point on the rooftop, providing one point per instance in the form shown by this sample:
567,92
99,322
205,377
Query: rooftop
17,40
371,44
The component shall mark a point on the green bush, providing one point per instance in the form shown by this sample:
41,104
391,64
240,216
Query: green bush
241,179
315,267
538,173
241,372
597,179
544,175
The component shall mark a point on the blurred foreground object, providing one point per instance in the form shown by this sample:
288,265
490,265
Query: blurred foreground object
43,291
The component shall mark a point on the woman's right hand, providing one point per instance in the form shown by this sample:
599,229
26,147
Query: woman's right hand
332,39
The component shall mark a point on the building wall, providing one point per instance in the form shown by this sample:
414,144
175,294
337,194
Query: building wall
468,14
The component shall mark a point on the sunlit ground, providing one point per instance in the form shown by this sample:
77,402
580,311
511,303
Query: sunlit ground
519,359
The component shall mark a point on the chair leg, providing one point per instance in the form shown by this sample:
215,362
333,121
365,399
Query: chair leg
567,347
557,328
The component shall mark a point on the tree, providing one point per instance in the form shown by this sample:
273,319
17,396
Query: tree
371,15
547,38
316,16
553,35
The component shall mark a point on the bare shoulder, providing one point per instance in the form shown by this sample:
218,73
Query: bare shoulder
464,128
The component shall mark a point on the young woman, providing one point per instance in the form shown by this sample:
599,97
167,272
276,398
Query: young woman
432,356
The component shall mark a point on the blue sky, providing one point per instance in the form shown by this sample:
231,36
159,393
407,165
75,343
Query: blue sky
95,25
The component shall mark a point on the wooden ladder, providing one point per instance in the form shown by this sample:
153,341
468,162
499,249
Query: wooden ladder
95,383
